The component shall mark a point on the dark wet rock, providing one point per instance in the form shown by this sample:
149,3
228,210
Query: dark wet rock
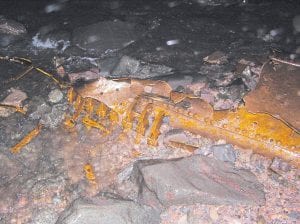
55,96
179,83
279,166
105,36
224,97
198,179
224,152
92,74
223,89
217,57
107,65
249,78
8,26
108,211
74,51
8,39
77,64
10,31
133,68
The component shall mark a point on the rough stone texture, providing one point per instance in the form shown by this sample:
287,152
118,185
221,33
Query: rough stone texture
45,216
8,26
55,117
10,31
105,36
217,57
277,96
55,96
130,67
279,166
224,152
199,179
108,211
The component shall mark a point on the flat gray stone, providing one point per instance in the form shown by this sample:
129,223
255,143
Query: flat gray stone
132,68
108,211
198,179
224,152
105,36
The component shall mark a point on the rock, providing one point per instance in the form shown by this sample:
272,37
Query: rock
178,139
224,152
55,117
55,96
217,57
131,68
250,79
204,150
105,36
90,75
56,39
10,31
108,211
15,97
44,216
279,166
41,109
8,26
224,98
107,65
296,23
197,179
177,135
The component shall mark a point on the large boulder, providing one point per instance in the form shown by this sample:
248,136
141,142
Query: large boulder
105,36
197,179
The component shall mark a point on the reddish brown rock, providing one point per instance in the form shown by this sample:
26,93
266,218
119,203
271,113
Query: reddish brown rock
277,93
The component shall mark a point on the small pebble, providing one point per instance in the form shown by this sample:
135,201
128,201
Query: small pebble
55,96
279,166
224,152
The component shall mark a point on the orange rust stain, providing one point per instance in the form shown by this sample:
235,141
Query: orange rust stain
261,132
27,139
89,173
277,93
88,122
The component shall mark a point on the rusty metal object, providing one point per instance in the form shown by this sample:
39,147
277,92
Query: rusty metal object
261,132
278,94
105,102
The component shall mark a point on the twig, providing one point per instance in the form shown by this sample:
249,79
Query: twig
285,62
